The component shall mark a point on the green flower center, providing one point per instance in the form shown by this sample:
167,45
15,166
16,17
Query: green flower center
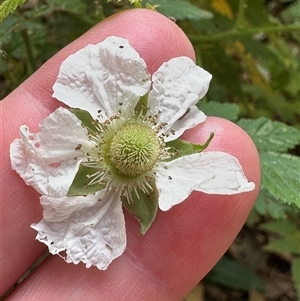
134,149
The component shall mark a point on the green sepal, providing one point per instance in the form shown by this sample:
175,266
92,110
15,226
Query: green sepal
86,119
143,208
80,183
185,148
141,106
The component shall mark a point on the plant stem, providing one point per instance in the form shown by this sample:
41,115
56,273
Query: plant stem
31,60
236,33
240,19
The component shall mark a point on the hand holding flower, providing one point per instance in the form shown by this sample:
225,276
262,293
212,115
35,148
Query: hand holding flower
187,233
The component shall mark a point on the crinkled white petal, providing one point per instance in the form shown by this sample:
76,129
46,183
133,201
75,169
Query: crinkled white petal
90,229
48,160
99,77
209,172
192,118
177,86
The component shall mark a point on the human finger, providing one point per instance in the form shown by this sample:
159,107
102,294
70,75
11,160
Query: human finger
155,37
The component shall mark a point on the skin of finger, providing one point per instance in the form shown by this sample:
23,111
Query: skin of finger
181,247
156,38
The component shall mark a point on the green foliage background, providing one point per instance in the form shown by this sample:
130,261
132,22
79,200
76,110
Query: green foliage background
252,49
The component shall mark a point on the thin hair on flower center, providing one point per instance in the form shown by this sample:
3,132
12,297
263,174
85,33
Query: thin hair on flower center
134,149
127,148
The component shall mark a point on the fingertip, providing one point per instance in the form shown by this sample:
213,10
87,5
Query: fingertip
155,37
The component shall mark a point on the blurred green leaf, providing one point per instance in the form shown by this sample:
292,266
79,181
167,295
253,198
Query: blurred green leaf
292,12
234,275
256,12
290,244
181,9
216,92
259,50
271,135
267,205
74,6
296,274
51,6
284,67
225,71
225,110
281,175
8,26
281,227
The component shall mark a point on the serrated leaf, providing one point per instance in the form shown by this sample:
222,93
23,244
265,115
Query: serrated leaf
80,183
234,275
144,208
185,148
225,110
281,176
86,119
8,7
180,10
270,135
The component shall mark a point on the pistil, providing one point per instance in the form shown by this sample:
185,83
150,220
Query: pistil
134,149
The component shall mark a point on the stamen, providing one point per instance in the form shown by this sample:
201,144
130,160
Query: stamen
127,147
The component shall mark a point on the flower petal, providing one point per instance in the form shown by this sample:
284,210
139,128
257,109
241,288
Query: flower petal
48,160
89,228
192,118
209,172
99,77
177,86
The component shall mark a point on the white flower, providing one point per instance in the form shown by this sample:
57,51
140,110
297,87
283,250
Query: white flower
126,145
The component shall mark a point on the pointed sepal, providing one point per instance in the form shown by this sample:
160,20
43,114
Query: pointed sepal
80,185
143,207
86,119
142,105
181,148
